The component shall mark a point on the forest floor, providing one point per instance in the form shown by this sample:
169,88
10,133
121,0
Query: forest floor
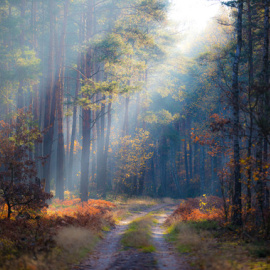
138,233
112,254
171,235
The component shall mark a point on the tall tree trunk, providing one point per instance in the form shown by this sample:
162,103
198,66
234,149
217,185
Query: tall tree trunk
202,170
250,87
107,143
74,127
68,124
126,122
263,114
186,153
36,87
43,81
49,101
215,175
196,166
173,168
267,94
153,175
86,133
101,181
94,151
33,24
141,181
163,166
237,202
60,114
20,101
86,112
138,107
190,150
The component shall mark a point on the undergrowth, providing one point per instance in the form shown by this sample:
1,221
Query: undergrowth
198,229
52,239
75,242
62,234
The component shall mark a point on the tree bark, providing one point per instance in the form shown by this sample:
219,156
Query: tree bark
86,113
126,122
85,154
190,150
20,101
101,181
251,83
49,108
185,153
107,143
202,170
60,114
267,94
163,166
237,202
74,127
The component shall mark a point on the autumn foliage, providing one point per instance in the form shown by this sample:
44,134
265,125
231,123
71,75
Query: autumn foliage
20,191
28,226
18,139
37,236
197,209
93,214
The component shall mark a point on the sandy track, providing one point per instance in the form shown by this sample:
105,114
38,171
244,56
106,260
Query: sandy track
165,254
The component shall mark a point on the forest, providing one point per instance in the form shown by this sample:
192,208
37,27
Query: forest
117,125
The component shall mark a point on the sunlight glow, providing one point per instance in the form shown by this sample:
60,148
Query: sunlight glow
193,15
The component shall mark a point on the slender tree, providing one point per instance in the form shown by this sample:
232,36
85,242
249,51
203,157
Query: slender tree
237,202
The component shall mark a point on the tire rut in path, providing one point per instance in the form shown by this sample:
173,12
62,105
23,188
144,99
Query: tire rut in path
165,254
107,250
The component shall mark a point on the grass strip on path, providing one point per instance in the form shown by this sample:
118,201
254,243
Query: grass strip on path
139,234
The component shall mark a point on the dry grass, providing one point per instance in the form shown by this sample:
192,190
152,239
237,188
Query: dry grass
75,242
127,207
138,234
228,256
66,233
188,239
199,232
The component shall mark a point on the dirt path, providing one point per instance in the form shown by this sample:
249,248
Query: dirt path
165,253
107,251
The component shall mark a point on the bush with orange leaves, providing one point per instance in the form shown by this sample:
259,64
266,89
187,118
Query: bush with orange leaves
197,209
93,214
35,236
